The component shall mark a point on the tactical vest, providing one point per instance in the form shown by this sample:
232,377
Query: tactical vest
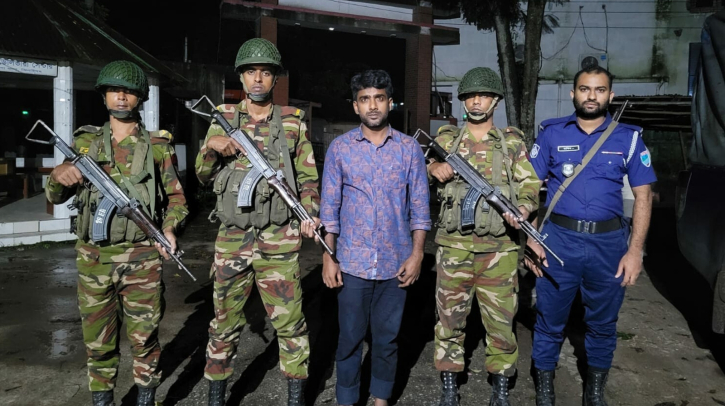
143,180
268,206
452,194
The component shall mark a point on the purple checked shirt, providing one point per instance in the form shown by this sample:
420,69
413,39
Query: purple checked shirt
374,197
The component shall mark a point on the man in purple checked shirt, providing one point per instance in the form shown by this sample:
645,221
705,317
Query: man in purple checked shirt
375,209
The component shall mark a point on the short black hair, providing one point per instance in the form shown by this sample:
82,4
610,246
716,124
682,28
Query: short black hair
376,78
597,70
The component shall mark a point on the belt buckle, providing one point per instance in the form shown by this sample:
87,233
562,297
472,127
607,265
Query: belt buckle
584,226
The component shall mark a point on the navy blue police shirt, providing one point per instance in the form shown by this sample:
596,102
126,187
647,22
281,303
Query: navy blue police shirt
596,193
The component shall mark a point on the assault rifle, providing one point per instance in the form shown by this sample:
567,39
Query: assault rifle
260,168
480,187
112,198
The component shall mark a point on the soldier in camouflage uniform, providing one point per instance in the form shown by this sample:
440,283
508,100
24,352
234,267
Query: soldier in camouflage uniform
260,243
123,274
480,260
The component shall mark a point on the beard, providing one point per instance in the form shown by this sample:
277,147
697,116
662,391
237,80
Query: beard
374,123
600,111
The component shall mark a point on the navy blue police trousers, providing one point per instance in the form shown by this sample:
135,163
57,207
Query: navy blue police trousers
590,264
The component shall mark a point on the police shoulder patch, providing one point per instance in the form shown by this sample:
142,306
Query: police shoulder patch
645,157
535,150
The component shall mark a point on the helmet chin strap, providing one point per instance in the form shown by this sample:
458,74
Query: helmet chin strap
259,97
485,115
124,114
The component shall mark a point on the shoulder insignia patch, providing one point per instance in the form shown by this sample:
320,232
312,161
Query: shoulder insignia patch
645,158
535,151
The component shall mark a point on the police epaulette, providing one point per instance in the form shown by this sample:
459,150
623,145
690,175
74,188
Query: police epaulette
631,127
551,121
86,129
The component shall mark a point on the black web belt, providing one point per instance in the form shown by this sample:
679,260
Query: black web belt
588,227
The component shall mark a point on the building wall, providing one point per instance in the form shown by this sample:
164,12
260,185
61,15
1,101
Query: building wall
646,43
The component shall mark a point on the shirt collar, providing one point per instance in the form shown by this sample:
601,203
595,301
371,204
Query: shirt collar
358,134
607,120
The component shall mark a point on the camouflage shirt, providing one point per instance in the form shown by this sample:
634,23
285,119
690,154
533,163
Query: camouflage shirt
479,155
209,162
175,209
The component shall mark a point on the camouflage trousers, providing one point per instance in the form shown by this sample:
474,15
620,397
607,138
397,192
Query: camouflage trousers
238,264
109,293
493,279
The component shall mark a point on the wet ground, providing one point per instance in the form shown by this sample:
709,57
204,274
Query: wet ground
666,355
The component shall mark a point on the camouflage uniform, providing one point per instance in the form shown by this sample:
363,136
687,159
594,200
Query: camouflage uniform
124,276
482,265
267,256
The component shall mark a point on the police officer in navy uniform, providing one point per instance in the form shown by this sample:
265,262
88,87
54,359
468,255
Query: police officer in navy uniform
587,230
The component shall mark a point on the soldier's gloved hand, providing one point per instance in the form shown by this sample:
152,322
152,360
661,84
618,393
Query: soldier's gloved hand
308,227
513,221
169,233
226,146
441,171
67,174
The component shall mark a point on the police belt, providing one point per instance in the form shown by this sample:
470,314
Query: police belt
588,227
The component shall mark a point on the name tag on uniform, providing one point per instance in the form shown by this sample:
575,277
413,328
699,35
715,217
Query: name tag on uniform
567,148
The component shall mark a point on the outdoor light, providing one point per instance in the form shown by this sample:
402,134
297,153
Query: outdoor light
26,112
332,28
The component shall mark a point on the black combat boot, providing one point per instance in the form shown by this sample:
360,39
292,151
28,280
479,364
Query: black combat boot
217,391
296,392
104,398
594,390
145,396
449,389
544,383
499,391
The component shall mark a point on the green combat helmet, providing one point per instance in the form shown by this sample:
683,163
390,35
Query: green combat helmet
127,75
480,80
258,51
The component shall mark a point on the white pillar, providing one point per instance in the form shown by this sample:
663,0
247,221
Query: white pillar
63,107
151,106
